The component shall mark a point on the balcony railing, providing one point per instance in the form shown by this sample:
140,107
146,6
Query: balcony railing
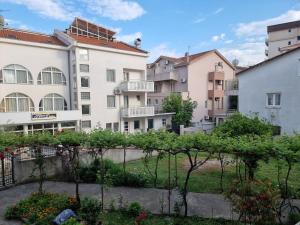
137,111
163,76
137,86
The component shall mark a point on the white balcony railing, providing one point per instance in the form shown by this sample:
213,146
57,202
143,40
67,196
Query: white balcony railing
137,86
137,111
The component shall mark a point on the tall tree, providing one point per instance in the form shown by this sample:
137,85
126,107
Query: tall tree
183,110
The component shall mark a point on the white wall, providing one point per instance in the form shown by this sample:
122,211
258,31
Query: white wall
280,75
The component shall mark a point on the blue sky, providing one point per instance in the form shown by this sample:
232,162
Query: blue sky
170,27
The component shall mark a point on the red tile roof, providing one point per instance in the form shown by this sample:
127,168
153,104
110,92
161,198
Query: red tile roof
106,43
23,35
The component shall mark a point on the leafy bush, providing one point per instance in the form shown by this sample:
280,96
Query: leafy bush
90,210
113,173
256,201
40,208
134,209
294,218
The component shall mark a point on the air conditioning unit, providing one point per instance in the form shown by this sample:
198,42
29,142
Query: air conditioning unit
219,82
183,80
117,91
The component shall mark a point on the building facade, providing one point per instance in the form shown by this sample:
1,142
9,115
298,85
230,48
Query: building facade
203,77
282,38
78,79
270,90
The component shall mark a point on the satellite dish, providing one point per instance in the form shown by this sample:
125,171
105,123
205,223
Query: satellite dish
235,62
137,42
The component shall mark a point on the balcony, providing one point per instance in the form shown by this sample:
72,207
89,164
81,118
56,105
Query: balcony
216,76
164,76
232,87
137,86
215,112
137,111
215,93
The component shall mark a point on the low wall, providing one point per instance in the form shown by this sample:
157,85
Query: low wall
53,164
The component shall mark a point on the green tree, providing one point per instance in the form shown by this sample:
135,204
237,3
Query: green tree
183,110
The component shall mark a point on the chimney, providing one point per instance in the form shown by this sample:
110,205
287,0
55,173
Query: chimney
137,43
187,55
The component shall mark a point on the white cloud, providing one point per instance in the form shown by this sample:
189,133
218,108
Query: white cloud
248,53
228,41
48,8
129,38
162,49
116,9
200,20
219,10
216,38
256,28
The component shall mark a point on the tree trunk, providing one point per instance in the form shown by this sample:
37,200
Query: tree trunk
221,158
124,161
102,180
169,188
155,171
185,190
176,174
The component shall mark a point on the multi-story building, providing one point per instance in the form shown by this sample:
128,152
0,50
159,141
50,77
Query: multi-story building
203,77
270,90
282,37
81,78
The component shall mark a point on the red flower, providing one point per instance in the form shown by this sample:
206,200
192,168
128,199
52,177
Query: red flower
140,218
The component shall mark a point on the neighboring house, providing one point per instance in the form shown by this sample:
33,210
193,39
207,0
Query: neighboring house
282,37
203,77
78,79
271,90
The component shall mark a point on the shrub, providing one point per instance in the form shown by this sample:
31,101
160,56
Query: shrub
71,221
134,209
256,201
294,218
40,208
90,210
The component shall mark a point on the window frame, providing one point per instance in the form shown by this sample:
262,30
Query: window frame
85,121
52,96
81,58
52,70
17,97
85,92
84,64
134,124
114,76
273,100
89,107
15,68
88,79
107,105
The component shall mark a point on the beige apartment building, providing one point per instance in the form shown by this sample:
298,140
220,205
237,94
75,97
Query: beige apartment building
207,78
282,38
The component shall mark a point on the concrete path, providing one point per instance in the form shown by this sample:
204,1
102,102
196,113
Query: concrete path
200,204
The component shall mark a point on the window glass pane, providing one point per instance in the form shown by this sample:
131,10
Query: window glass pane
84,68
270,99
58,104
85,109
21,76
277,99
46,78
85,82
57,78
108,126
83,54
48,104
86,124
11,104
9,76
116,127
23,104
85,95
110,76
136,124
111,101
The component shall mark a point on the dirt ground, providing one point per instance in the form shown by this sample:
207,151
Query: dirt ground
210,165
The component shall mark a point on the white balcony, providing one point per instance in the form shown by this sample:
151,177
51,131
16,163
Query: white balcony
137,111
137,86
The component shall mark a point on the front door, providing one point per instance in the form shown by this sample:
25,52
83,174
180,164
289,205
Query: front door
150,124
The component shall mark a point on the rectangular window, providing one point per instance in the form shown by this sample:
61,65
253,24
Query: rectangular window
126,127
164,122
85,95
85,82
108,126
273,99
298,38
86,124
111,101
136,124
83,54
116,127
110,75
84,68
86,109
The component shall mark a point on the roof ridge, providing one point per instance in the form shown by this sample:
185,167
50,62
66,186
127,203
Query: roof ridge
28,31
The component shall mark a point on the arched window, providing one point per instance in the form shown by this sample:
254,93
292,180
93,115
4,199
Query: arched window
17,102
15,74
53,102
51,75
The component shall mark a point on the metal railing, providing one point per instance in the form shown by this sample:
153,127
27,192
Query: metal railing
138,85
137,111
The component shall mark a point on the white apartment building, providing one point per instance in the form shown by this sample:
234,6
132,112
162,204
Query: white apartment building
207,78
271,90
78,79
282,37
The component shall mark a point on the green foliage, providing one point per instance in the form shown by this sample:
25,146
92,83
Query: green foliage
256,201
70,138
71,221
294,218
240,125
90,210
134,209
40,208
183,110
